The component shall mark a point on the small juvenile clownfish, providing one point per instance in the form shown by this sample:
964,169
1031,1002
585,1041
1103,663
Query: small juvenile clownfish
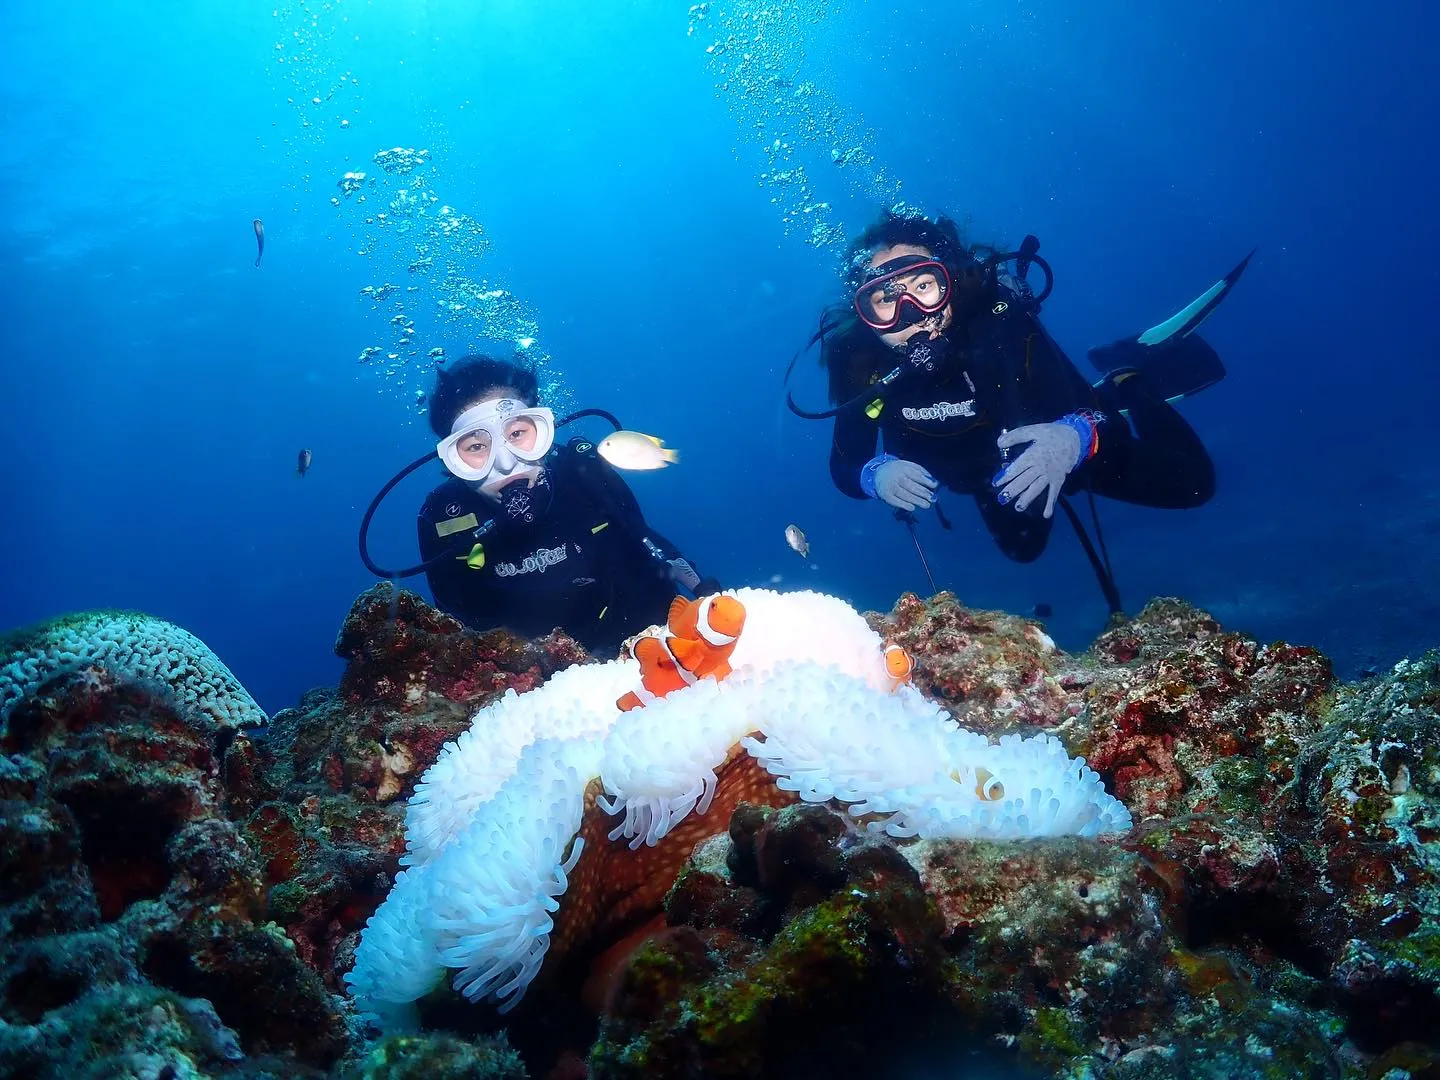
988,786
898,666
703,633
659,674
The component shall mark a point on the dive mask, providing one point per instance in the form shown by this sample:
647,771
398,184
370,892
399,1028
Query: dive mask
497,441
902,292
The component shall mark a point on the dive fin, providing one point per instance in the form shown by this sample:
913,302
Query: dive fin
1171,370
1174,361
1197,311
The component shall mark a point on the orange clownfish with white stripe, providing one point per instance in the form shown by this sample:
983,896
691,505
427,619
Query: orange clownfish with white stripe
703,633
659,674
898,666
695,644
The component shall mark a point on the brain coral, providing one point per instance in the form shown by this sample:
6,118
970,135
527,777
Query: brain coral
493,830
132,647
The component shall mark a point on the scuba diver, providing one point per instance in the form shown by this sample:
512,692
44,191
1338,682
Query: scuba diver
529,535
938,360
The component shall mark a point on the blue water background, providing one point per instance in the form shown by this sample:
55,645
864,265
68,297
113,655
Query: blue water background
156,387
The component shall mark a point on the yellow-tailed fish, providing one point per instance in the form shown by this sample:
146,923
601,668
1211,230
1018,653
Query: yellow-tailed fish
636,451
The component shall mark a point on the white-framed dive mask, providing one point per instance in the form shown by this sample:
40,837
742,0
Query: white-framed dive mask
497,441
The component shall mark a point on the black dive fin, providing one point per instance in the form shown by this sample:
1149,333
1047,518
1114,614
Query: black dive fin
1171,370
1174,360
1197,311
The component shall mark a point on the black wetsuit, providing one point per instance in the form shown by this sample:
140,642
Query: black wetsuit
583,565
1001,371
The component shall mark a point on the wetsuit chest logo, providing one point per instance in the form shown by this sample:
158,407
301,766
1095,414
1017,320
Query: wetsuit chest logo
538,562
941,410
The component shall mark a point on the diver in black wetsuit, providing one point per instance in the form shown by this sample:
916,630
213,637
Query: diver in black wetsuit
942,361
561,539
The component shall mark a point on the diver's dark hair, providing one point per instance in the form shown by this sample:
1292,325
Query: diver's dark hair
849,350
941,237
471,378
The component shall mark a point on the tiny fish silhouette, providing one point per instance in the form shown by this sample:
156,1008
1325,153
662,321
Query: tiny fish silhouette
302,465
259,240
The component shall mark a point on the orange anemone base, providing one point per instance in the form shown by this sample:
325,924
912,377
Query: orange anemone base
615,895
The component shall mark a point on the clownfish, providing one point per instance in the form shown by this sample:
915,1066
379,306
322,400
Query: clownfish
703,633
695,643
988,787
898,666
659,674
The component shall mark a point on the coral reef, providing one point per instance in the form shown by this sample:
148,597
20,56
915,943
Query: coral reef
129,646
321,797
501,824
1360,852
182,890
799,946
132,911
179,888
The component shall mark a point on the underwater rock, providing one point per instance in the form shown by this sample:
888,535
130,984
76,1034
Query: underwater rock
438,1057
824,960
1178,714
131,1031
1363,852
321,796
133,912
403,654
1198,720
1048,924
994,672
181,892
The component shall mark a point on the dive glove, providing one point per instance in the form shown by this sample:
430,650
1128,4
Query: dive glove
1056,450
682,573
900,483
686,576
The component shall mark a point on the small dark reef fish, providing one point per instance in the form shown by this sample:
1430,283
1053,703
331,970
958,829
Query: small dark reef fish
302,465
259,240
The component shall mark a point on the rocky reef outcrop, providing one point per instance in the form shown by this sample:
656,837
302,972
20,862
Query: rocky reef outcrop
182,888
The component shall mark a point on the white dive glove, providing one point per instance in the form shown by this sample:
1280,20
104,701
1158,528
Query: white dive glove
1056,450
900,483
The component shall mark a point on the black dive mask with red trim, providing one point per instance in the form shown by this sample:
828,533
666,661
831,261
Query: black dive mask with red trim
901,292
